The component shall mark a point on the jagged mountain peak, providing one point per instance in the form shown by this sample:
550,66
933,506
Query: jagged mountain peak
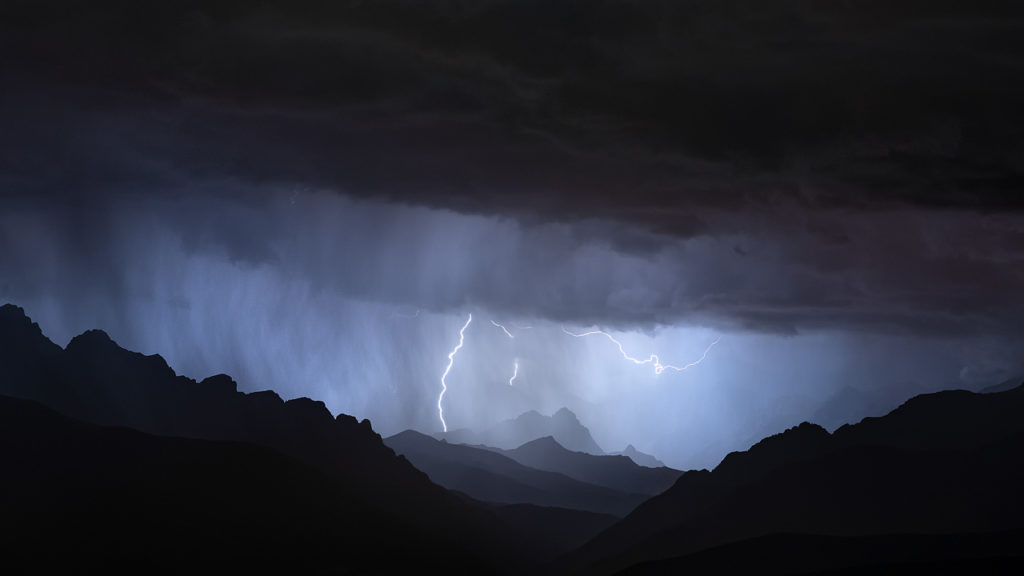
564,413
641,458
12,313
563,426
92,337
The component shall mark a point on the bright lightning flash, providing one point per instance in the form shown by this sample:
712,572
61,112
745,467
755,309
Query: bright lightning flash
653,359
515,372
507,333
451,360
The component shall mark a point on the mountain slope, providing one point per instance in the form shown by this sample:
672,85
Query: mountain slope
493,477
616,472
95,380
115,499
945,462
563,426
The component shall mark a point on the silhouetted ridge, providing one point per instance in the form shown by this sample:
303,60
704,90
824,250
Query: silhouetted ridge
111,500
94,337
220,385
19,329
969,421
798,443
97,381
946,462
25,354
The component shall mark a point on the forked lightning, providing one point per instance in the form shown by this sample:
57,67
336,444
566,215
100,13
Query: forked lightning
653,359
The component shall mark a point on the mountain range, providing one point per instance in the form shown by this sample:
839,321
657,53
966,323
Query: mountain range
95,381
94,499
950,462
612,471
493,477
539,472
114,463
563,426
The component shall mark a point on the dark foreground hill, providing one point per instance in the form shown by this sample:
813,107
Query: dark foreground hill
221,481
95,380
493,477
83,498
944,463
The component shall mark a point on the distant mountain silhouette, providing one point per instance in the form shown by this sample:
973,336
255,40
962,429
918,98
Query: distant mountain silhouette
493,477
1002,386
949,462
95,380
563,426
641,458
139,467
616,472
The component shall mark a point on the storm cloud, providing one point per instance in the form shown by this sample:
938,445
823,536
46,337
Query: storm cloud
268,190
552,110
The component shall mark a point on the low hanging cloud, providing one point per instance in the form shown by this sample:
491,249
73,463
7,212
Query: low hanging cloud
775,168
909,271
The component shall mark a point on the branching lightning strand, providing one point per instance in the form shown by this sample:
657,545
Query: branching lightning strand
507,333
653,359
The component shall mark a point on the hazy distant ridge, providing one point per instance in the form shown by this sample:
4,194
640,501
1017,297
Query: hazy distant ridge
563,426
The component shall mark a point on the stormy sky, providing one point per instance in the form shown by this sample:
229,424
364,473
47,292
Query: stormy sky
313,196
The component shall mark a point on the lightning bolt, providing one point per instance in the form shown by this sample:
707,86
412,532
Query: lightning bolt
451,360
515,372
653,359
507,333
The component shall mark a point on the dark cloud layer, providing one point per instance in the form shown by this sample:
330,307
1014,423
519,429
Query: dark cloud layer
781,166
630,110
